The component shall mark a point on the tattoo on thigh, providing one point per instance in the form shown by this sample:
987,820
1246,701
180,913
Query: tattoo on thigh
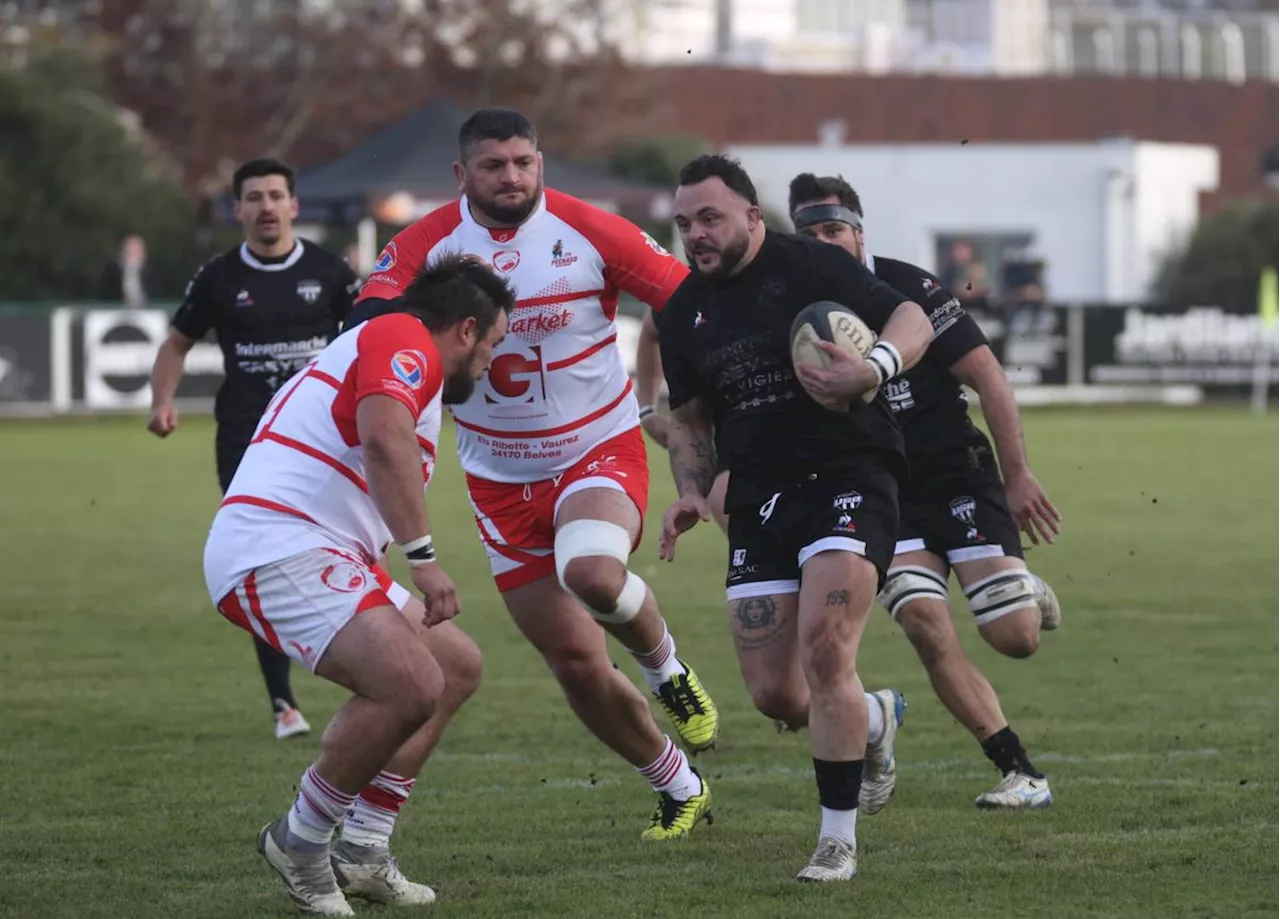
758,622
838,598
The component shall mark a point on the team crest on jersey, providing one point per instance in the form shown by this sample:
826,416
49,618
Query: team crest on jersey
387,260
506,260
560,258
653,244
929,285
410,367
244,299
310,290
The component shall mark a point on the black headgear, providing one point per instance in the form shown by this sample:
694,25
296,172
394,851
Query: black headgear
821,213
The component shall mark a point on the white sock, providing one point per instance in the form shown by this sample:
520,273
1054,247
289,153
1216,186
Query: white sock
318,809
373,818
875,719
660,664
840,824
670,772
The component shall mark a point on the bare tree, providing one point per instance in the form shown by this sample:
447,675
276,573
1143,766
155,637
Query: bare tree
217,81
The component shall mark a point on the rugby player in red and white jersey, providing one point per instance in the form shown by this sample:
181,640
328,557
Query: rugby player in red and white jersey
335,472
552,446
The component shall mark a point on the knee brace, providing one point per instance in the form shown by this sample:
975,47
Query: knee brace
1001,593
587,538
911,582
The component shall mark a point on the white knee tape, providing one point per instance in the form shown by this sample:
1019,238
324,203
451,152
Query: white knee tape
587,538
1000,594
911,582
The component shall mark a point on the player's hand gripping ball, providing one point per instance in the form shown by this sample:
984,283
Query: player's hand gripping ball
828,344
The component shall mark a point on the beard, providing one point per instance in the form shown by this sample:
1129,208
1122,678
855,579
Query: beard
458,387
509,215
731,255
267,234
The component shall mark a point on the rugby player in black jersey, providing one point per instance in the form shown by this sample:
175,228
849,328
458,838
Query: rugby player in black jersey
954,480
814,472
956,511
274,302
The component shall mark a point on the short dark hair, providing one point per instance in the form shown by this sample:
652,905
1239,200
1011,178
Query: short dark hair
263,166
727,169
494,123
457,287
809,187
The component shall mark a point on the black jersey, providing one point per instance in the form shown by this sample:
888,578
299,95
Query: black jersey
927,400
728,341
271,317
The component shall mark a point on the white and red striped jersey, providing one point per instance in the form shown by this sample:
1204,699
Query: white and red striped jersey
557,386
301,484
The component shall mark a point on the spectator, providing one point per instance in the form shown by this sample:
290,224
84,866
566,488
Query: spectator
966,275
124,279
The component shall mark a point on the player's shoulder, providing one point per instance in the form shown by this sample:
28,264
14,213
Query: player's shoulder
219,264
599,226
213,274
396,323
801,256
801,248
575,211
317,257
904,276
437,224
404,337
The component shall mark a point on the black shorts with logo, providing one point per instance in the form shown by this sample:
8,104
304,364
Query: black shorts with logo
958,518
769,544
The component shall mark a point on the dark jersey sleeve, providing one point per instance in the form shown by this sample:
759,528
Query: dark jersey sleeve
347,286
683,382
368,308
840,277
198,312
955,333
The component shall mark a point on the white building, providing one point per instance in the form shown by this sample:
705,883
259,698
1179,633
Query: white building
1101,216
1194,39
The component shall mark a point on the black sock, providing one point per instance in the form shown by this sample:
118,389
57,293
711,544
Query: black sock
1005,750
275,672
838,783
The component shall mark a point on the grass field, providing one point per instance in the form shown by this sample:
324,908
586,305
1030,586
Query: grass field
137,761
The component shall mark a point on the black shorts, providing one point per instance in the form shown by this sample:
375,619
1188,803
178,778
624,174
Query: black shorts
854,512
229,444
959,520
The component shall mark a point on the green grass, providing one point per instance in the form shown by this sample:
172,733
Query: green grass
137,762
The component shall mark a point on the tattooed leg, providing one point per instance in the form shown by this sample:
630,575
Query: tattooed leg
764,634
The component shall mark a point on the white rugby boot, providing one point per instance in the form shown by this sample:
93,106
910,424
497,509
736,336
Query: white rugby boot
880,766
374,874
1047,601
289,721
833,860
1017,791
308,879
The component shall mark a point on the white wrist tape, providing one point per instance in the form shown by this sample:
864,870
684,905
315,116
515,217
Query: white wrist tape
420,551
885,360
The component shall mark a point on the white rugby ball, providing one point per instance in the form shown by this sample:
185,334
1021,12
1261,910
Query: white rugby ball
833,322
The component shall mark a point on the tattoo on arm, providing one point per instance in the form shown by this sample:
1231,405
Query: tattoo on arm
838,598
692,449
757,623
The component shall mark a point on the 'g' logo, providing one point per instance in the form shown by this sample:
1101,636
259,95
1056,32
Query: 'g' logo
516,377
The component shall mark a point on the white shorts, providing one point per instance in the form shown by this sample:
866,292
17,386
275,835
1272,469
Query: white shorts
297,605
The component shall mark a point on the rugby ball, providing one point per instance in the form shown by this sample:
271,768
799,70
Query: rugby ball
834,323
